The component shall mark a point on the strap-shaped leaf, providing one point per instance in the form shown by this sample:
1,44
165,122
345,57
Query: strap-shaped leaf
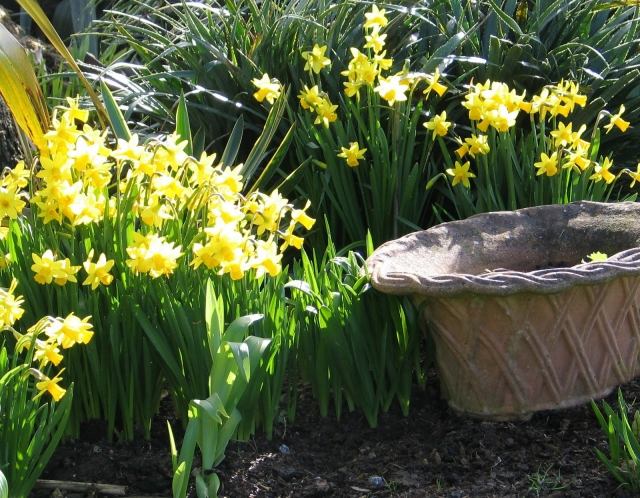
4,486
117,120
20,89
41,19
237,330
233,144
183,127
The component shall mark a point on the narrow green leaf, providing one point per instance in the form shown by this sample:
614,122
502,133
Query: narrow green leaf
233,144
237,330
505,18
116,119
41,19
20,89
4,486
183,128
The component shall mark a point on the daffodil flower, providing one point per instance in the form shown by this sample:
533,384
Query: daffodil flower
460,174
268,89
438,124
616,120
353,154
315,59
548,165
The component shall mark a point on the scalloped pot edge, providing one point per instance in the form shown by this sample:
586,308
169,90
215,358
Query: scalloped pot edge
510,342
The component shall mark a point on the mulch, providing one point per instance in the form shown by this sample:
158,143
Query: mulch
433,452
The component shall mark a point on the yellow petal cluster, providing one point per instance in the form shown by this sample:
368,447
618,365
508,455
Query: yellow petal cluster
46,337
268,89
315,59
81,179
48,269
352,154
493,104
10,306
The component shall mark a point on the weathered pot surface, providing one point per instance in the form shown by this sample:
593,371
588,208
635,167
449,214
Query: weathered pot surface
520,323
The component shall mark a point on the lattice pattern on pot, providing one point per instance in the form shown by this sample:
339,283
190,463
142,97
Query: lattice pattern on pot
511,355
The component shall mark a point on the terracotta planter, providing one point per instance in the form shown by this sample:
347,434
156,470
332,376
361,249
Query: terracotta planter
520,324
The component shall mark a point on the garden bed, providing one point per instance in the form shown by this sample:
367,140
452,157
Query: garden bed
432,452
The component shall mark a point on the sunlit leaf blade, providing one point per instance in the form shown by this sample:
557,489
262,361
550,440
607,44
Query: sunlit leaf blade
117,120
20,89
41,19
183,128
4,486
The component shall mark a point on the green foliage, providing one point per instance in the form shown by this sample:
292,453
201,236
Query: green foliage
623,437
37,14
30,429
213,421
530,44
356,346
4,486
544,482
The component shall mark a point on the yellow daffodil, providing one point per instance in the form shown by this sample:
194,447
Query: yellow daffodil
461,174
597,257
46,268
74,112
326,112
17,177
392,89
616,120
635,175
309,97
70,331
300,216
478,144
375,18
11,204
315,59
51,386
290,239
98,272
375,40
269,212
266,259
434,84
602,173
563,135
268,89
548,165
438,124
10,305
152,254
47,352
577,159
353,154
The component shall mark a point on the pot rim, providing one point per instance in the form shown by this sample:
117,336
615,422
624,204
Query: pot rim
502,282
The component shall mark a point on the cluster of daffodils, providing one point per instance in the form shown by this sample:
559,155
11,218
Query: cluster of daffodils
150,192
368,68
494,106
48,338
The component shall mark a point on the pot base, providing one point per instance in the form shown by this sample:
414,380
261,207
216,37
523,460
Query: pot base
505,357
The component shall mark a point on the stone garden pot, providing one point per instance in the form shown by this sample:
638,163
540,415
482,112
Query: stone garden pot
520,324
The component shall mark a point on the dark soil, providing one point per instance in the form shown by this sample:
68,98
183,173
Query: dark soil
433,452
